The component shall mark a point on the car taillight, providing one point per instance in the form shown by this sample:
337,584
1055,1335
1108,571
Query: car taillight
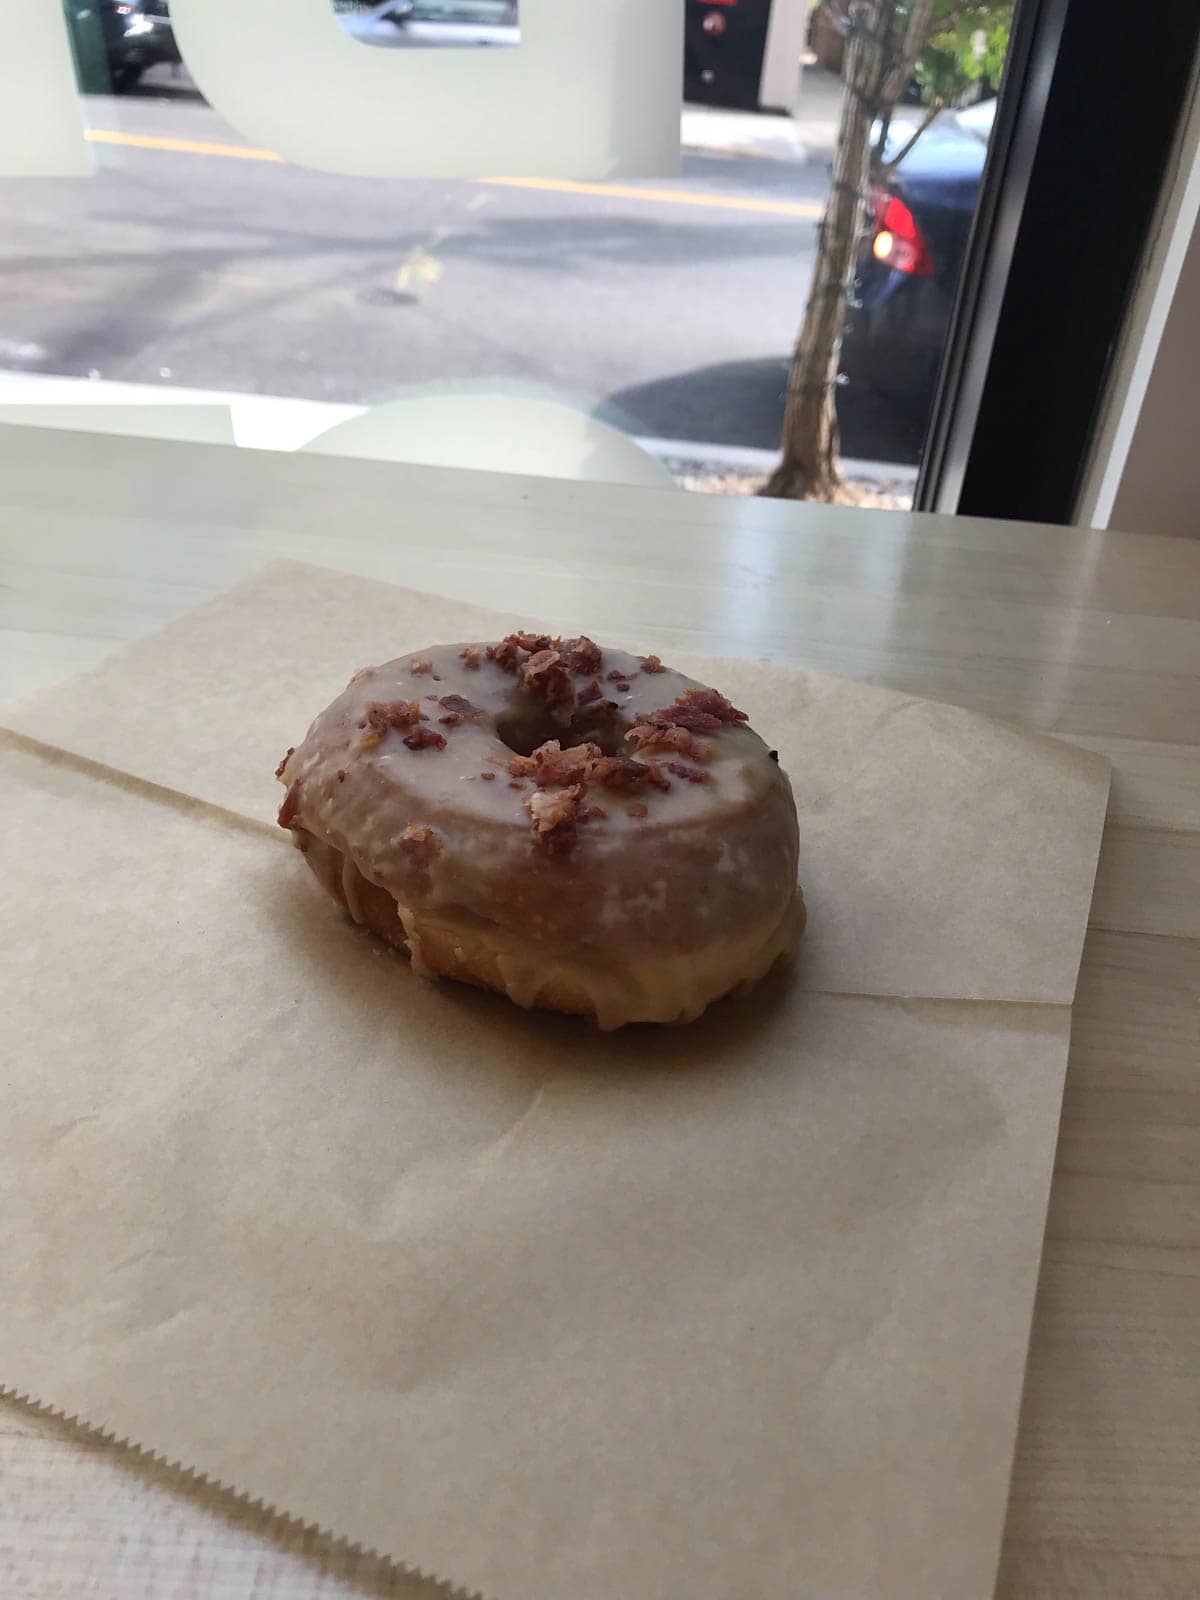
898,242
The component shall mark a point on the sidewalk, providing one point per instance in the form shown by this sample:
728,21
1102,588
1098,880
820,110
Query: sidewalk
808,135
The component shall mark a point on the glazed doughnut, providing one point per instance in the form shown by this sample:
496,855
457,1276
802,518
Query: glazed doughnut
581,829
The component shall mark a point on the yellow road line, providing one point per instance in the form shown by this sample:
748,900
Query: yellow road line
187,147
674,197
609,191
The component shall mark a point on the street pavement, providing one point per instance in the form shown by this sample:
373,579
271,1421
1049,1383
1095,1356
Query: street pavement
190,259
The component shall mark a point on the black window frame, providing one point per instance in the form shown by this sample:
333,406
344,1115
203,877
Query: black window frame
1089,115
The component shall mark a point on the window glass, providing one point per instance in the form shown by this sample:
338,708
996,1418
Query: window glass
668,309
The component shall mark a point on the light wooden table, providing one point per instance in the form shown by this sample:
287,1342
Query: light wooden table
1093,637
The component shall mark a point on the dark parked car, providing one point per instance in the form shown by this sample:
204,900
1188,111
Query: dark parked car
906,281
116,40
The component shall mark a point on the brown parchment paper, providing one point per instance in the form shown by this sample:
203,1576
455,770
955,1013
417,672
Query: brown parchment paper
942,854
732,1310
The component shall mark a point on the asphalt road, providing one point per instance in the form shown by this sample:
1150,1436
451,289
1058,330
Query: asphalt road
672,304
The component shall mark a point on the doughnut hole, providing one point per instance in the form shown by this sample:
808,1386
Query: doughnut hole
526,724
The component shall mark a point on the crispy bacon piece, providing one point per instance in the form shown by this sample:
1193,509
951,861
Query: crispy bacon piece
551,764
552,813
545,674
580,655
470,655
689,774
638,810
620,772
714,703
488,777
614,676
290,806
590,693
591,814
459,706
380,715
420,844
425,739
652,664
647,736
420,668
692,717
533,642
341,777
291,751
506,654
450,720
700,710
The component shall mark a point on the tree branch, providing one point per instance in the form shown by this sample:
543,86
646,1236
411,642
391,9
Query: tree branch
931,111
921,23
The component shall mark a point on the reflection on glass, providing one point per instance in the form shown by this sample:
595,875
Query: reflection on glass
430,24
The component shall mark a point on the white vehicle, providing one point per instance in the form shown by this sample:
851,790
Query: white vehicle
430,24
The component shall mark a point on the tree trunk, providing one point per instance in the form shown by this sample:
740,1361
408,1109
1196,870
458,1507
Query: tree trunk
877,66
809,467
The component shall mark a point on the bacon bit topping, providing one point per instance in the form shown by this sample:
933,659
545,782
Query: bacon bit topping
381,715
533,642
620,772
552,813
652,664
420,668
550,764
488,777
505,654
715,704
593,691
515,783
458,705
689,717
691,774
614,676
591,814
651,736
425,739
420,844
637,811
575,655
450,720
341,777
580,655
658,777
471,656
545,674
291,751
290,806
701,710
622,686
